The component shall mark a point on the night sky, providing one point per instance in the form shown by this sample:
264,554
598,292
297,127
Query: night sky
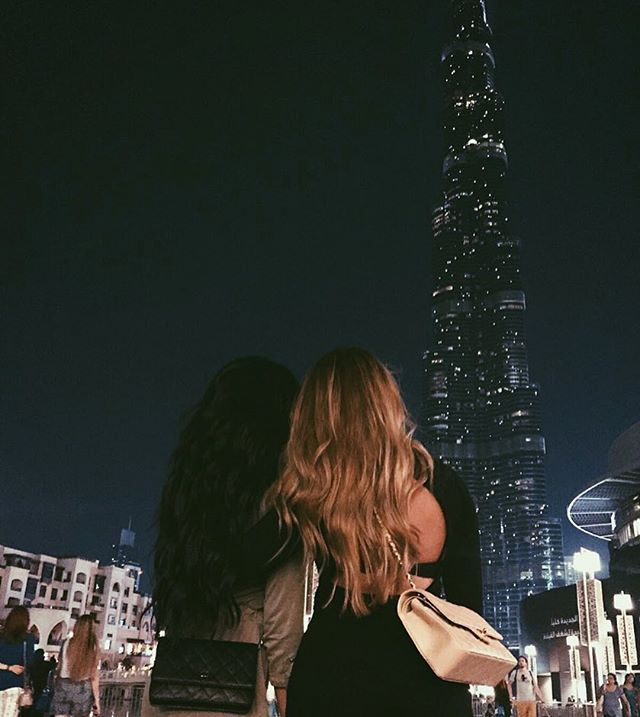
192,182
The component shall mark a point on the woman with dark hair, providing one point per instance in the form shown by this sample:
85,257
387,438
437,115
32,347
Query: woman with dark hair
16,652
612,698
353,473
39,676
227,457
502,700
632,693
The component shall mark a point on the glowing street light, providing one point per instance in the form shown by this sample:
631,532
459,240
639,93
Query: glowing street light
626,633
622,601
609,653
588,563
573,643
531,652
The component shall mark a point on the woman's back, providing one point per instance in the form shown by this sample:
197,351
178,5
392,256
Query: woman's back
353,475
15,652
227,456
367,665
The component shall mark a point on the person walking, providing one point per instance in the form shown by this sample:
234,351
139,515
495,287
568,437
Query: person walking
632,693
352,464
16,653
39,671
76,690
227,457
523,689
502,700
612,698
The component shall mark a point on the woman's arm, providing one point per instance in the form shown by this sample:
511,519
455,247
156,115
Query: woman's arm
265,547
283,623
462,574
95,687
509,688
281,699
625,704
16,669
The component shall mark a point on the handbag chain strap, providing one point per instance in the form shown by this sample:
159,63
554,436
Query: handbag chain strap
394,549
25,679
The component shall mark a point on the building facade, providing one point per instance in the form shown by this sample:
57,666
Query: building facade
549,618
481,410
609,506
58,590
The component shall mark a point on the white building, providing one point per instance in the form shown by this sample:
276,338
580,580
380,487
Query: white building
59,590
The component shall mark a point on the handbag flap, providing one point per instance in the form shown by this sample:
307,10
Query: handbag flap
457,615
205,662
210,675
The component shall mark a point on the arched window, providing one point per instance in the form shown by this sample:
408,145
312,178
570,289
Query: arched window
57,634
116,587
77,596
16,584
81,578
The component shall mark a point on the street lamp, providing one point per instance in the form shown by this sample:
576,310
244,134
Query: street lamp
588,563
609,654
626,632
531,652
573,644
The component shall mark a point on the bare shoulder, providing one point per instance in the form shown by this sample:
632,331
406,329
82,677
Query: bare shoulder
427,518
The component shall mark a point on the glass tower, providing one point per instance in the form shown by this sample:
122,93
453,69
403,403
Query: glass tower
481,409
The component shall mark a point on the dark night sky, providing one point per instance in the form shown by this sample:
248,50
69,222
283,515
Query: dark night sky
192,182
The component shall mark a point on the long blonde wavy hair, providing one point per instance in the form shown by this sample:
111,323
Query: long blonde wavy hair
350,460
82,651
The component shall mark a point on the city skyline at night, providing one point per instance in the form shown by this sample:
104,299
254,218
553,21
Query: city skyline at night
186,187
481,407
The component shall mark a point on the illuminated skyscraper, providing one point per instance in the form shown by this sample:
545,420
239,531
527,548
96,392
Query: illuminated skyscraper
481,409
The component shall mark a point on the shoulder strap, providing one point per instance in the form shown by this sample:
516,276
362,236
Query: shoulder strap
394,549
25,677
514,672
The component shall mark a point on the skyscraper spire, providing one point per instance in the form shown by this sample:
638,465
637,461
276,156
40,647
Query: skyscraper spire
481,410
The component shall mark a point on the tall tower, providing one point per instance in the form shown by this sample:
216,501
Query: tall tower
481,410
124,553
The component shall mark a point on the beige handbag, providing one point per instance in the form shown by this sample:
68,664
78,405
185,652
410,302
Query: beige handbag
458,644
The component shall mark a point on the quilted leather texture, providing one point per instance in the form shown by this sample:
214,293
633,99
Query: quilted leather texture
458,644
204,675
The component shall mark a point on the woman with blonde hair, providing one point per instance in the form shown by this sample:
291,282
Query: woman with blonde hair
77,687
352,472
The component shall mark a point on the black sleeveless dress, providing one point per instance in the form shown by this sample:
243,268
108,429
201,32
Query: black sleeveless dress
350,666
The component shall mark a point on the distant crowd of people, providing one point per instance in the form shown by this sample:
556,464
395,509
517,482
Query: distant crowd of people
519,693
32,686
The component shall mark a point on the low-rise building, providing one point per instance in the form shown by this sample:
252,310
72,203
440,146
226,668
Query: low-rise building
567,652
57,590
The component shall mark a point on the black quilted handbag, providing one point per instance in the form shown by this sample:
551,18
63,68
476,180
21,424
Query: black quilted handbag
212,675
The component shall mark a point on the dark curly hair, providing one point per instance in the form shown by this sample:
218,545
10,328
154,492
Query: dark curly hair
227,456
